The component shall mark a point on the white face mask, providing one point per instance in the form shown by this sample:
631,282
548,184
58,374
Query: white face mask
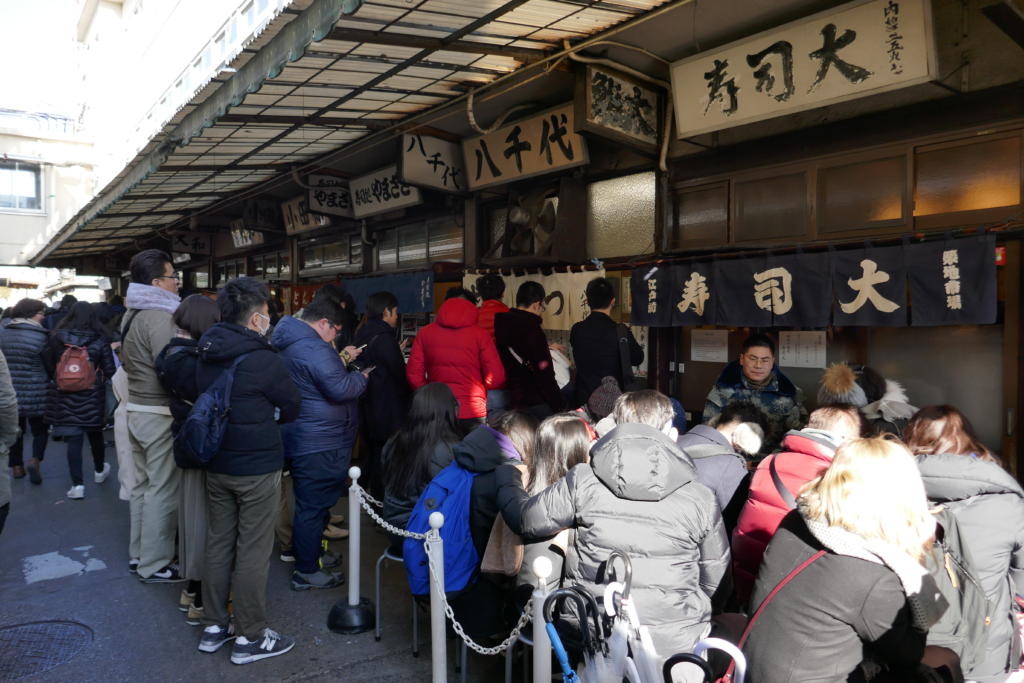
266,328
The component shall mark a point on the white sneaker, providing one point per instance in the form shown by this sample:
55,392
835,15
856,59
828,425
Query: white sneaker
102,476
76,492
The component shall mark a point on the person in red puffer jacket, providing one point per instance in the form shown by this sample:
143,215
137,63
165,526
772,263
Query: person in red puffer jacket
805,455
456,351
491,289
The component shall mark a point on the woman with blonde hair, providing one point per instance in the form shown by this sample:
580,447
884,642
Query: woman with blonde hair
854,600
964,477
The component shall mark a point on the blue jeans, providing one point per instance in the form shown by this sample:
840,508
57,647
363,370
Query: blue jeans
318,480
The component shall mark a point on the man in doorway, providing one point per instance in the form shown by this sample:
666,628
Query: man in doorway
596,342
754,378
529,371
146,328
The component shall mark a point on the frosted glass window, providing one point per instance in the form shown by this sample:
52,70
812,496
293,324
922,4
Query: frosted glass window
445,241
983,174
861,195
771,208
412,245
387,250
621,216
701,217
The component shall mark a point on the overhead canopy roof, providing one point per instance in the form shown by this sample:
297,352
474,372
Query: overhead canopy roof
318,89
313,82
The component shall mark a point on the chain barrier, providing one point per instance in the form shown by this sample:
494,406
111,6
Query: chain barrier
366,500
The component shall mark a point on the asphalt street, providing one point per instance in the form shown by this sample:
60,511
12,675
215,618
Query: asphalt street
67,561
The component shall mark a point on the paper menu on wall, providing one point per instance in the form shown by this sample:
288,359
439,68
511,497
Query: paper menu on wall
710,346
802,349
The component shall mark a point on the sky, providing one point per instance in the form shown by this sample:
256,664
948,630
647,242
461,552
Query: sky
37,49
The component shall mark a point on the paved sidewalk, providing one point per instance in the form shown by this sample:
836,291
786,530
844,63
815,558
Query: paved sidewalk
67,560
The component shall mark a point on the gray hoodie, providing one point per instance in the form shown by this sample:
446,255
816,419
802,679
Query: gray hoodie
638,494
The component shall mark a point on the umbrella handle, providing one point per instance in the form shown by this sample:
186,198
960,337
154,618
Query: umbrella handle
568,675
597,637
581,605
610,590
681,657
628,569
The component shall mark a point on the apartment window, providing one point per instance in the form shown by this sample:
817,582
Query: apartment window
21,186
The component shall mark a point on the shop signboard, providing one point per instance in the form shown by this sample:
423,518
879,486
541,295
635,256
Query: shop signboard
329,194
414,291
297,217
617,106
543,143
951,282
382,191
431,162
242,236
852,51
191,243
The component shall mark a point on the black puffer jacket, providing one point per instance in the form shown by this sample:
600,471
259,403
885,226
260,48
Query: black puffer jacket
85,409
479,452
22,343
176,369
252,444
989,507
639,494
388,394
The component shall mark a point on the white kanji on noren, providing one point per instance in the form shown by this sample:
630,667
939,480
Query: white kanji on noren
865,288
695,294
773,290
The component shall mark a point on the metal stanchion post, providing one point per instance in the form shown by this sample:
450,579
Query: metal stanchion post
438,641
541,644
356,615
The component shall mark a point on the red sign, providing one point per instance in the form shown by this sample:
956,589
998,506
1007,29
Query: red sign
1000,256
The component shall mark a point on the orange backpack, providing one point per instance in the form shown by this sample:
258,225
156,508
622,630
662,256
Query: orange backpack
75,371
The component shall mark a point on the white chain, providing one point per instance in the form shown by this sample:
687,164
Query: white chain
367,497
390,528
497,649
366,500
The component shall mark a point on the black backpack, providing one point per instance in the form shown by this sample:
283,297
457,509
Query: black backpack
964,626
202,432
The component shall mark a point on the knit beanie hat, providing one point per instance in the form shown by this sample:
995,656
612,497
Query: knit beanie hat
602,400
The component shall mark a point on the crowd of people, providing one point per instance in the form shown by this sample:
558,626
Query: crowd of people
865,540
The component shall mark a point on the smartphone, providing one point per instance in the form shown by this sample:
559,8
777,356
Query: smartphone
360,348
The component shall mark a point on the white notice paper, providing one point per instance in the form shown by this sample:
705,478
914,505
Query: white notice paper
710,346
802,349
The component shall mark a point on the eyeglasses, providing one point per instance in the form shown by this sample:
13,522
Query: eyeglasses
754,360
168,277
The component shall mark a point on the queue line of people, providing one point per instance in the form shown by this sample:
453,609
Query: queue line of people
713,519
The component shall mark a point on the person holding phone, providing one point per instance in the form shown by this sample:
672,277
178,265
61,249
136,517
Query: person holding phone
388,394
318,445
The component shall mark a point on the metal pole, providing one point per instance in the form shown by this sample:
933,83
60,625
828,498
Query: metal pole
438,643
353,537
541,644
355,615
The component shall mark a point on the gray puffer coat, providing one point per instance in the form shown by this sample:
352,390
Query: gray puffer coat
22,342
638,494
989,506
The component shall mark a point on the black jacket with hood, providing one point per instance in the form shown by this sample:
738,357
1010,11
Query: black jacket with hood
84,409
388,394
252,444
639,494
989,507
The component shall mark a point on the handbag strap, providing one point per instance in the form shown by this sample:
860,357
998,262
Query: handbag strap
764,603
787,496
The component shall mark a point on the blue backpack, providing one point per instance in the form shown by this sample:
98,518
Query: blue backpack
203,430
447,493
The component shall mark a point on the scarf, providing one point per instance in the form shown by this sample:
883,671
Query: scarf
28,321
505,444
926,608
149,298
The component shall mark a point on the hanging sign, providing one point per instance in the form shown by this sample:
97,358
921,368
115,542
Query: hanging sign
619,107
297,217
414,291
748,290
652,289
870,287
431,162
191,242
540,144
242,236
382,191
953,282
855,50
805,291
693,299
329,194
